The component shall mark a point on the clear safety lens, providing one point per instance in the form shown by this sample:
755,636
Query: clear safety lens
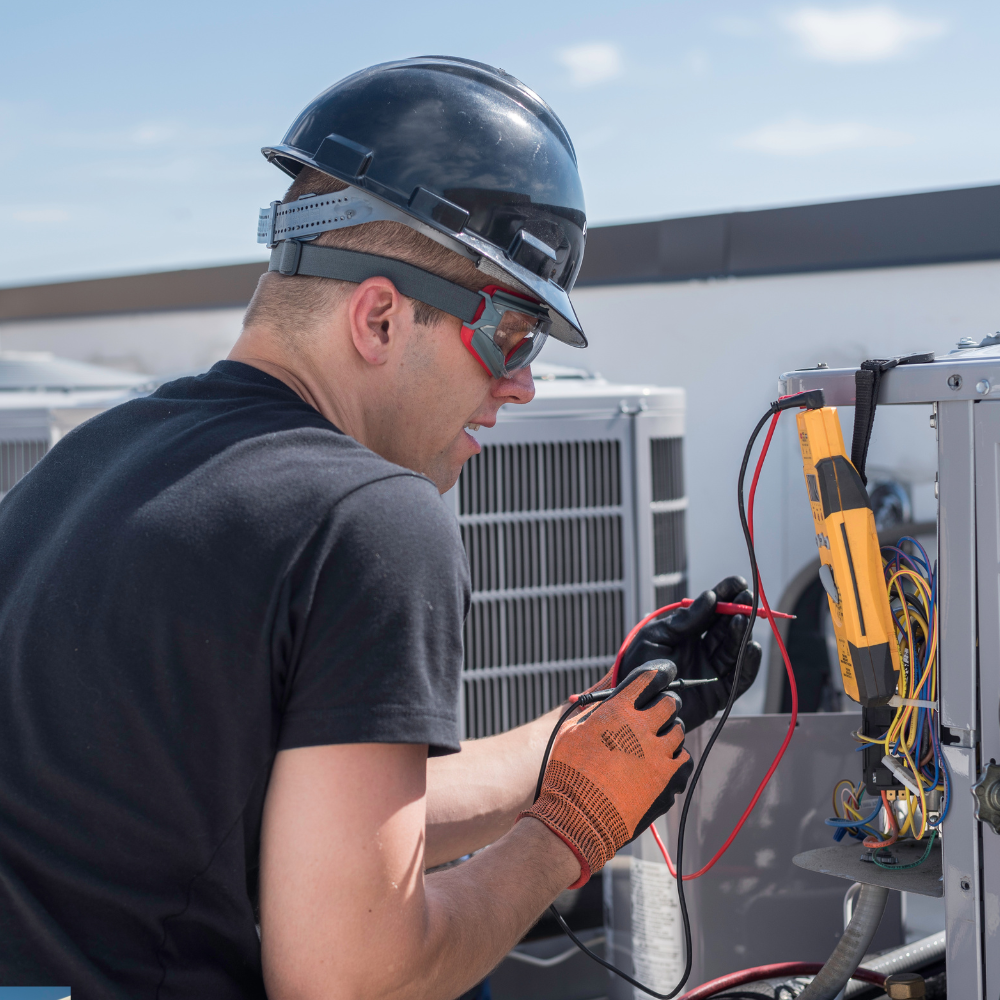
525,352
507,333
513,329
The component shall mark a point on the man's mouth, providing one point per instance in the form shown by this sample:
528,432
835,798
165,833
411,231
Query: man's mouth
473,427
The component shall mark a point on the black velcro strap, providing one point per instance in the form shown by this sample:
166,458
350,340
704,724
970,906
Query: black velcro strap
866,385
291,257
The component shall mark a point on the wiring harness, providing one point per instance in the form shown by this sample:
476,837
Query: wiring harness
911,744
812,399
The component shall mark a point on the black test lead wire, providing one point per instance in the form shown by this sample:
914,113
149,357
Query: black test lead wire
682,826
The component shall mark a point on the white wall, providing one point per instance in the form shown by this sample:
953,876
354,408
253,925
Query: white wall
726,342
160,343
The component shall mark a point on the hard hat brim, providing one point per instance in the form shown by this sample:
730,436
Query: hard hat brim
566,326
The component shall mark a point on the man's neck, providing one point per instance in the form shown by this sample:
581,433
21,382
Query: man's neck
279,371
337,407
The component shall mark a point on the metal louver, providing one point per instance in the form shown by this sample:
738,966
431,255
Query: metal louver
17,459
542,526
669,509
549,520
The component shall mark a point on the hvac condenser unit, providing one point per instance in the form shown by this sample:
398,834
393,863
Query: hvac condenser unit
573,517
43,397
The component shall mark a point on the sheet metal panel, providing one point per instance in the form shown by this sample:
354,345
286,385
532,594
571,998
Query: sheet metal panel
754,906
987,431
957,619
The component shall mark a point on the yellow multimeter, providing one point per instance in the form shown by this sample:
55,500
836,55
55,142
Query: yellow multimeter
850,561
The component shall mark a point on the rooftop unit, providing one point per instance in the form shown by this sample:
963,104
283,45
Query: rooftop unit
573,517
43,397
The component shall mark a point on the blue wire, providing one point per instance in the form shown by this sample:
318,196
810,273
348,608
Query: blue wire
854,822
900,554
923,551
947,780
925,719
937,773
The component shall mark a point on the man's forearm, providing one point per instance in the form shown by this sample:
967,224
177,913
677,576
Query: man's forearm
473,797
345,907
478,911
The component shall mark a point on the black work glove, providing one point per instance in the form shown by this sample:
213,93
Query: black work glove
701,644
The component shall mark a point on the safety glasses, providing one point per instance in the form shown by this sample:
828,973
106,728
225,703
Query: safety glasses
507,331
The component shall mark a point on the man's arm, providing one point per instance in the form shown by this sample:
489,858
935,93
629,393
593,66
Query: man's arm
345,908
474,797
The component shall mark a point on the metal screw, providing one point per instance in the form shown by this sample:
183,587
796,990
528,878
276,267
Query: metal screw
965,884
954,381
983,386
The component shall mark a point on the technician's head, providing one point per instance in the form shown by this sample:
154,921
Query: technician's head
422,256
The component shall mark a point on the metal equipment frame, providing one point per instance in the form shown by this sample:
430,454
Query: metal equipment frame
964,389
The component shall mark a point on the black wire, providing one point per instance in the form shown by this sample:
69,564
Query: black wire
689,796
548,749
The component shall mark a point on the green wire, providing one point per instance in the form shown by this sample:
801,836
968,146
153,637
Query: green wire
902,868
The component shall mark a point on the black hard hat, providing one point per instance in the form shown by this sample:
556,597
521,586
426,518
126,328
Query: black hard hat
464,153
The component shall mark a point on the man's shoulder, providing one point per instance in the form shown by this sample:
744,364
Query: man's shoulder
232,447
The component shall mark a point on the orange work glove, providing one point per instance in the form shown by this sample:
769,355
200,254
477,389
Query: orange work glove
614,769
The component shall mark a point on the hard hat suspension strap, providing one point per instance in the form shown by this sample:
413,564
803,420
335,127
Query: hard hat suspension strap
291,257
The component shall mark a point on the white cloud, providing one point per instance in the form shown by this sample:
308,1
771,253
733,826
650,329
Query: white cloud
800,137
858,34
593,62
41,215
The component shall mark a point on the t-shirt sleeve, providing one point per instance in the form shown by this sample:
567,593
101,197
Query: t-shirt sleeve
374,647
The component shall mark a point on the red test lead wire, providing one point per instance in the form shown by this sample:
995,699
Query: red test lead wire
766,612
721,608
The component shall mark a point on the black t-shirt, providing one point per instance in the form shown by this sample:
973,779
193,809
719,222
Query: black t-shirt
189,583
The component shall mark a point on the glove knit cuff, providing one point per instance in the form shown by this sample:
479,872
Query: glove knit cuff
566,819
585,871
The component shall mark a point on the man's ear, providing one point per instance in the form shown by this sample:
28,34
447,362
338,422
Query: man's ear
375,312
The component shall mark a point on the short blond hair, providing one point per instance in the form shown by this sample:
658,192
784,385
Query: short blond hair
282,300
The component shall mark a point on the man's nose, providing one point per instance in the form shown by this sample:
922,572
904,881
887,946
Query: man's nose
518,387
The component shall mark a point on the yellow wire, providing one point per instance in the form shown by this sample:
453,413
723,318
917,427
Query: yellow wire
923,801
904,723
909,816
907,713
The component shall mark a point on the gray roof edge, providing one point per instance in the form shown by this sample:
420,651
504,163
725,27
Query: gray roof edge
668,279
936,227
953,225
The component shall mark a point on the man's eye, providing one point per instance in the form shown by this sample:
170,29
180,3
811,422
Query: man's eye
513,328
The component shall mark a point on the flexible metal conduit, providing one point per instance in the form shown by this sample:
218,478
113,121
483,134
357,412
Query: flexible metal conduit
905,959
846,957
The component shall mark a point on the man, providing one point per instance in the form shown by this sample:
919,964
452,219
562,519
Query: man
230,614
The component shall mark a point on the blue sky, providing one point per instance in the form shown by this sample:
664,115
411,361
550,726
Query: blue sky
129,133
